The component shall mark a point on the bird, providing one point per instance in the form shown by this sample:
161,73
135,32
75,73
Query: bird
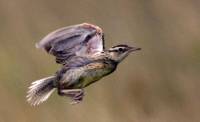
80,50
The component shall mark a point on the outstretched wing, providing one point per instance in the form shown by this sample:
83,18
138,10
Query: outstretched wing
80,40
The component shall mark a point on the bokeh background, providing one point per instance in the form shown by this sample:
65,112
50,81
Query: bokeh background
158,84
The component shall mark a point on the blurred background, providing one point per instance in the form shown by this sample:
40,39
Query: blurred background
158,84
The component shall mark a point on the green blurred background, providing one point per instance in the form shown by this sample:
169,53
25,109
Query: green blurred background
158,84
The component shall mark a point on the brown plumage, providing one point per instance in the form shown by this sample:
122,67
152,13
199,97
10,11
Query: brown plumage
81,51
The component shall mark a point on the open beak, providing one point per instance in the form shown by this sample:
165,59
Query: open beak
134,49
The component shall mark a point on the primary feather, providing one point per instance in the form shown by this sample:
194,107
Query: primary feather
78,40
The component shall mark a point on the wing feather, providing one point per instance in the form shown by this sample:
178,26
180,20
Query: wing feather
78,40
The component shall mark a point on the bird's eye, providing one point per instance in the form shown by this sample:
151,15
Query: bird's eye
120,49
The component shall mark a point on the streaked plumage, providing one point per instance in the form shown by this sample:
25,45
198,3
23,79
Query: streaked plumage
81,51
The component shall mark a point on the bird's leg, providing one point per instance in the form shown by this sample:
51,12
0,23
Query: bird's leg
75,94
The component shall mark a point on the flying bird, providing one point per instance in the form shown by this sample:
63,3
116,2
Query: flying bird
84,60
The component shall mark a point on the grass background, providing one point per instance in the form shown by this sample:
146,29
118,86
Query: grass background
158,84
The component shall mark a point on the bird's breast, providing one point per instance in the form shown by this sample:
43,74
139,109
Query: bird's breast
94,73
86,75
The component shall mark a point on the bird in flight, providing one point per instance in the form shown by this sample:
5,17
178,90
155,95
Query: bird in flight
81,52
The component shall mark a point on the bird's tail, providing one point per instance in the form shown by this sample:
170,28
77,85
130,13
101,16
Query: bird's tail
40,90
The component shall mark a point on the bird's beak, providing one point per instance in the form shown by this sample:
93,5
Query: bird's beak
131,49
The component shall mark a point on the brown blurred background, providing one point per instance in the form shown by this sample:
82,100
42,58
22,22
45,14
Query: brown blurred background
158,84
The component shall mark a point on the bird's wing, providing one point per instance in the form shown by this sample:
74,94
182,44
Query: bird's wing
80,40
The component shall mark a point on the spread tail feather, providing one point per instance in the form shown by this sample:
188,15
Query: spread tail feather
40,90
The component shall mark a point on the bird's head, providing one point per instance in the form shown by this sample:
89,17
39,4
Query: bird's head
119,52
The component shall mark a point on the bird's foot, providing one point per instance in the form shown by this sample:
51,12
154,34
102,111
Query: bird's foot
76,95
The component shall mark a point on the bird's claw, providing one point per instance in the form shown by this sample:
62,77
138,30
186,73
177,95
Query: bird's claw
76,95
77,98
